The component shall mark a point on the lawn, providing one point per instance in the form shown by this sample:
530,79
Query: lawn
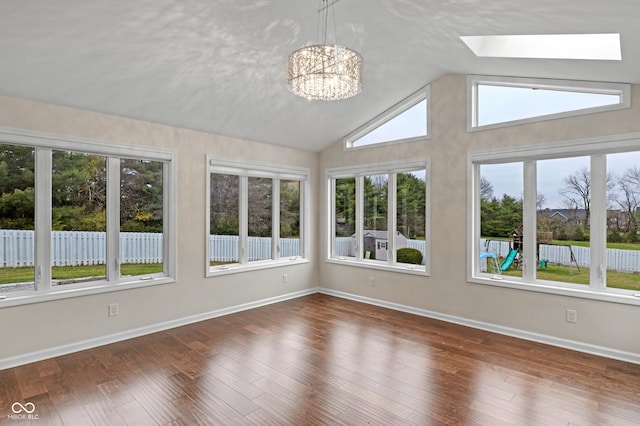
63,273
560,273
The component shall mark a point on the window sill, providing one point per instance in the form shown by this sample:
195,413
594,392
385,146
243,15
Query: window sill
369,264
610,295
253,266
26,297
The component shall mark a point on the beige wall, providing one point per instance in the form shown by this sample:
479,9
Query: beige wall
447,291
40,326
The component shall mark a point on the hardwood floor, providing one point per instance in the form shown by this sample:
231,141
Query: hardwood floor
323,360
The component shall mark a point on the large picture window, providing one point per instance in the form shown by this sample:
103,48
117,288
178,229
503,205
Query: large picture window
559,218
378,216
79,217
256,216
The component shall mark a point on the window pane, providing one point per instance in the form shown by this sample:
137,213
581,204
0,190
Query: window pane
224,219
260,218
499,104
563,219
141,216
79,220
375,217
17,201
409,124
289,218
410,212
623,212
501,227
345,217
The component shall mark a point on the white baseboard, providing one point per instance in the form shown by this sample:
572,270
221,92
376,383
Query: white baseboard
112,338
117,337
631,357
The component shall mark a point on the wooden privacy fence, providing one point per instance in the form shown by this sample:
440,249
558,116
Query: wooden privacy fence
74,248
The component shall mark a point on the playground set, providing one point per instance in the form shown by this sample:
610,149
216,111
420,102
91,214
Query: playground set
514,257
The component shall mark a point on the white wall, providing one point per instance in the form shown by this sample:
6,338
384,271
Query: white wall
29,329
446,291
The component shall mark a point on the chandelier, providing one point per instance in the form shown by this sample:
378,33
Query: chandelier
325,72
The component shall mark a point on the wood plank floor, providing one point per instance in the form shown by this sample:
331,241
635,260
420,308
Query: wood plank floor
323,360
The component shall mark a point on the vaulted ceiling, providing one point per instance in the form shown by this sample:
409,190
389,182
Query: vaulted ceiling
219,66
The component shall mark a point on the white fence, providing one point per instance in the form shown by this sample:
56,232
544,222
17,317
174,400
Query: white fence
618,260
224,248
88,248
343,247
72,248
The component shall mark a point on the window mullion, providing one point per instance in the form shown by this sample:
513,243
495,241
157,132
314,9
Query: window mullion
244,220
43,205
359,217
391,218
529,221
275,219
598,222
113,219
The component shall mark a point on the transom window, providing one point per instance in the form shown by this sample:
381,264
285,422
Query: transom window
405,121
501,101
378,216
256,216
560,219
79,217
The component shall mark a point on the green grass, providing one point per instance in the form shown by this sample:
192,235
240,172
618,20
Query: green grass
560,273
26,274
620,246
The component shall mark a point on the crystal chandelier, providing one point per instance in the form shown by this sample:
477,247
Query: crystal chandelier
325,72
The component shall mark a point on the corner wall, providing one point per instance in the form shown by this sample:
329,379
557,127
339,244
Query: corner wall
446,291
32,330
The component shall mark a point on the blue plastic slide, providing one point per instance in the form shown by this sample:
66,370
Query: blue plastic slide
509,260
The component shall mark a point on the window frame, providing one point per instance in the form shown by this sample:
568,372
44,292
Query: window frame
597,149
44,144
621,89
424,94
359,172
246,169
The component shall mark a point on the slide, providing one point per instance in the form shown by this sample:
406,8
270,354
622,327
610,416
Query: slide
509,260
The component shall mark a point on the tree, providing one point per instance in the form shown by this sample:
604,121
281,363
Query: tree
629,196
410,215
486,189
499,217
577,191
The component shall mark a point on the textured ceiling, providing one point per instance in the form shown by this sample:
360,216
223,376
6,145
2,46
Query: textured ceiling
219,66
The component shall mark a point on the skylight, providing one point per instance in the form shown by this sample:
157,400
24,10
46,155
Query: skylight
601,47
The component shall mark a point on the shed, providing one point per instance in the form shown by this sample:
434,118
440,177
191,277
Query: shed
376,244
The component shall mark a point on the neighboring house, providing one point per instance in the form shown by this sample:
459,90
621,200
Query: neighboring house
376,244
617,220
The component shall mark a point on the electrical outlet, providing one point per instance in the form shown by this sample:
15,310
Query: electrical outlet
372,282
113,310
285,278
572,316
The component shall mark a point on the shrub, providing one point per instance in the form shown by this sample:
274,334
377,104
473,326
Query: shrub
614,237
409,255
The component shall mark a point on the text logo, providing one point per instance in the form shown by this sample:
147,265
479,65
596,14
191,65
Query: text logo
23,411
28,408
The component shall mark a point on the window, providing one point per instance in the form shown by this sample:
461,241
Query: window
565,221
502,101
378,216
256,216
405,121
78,217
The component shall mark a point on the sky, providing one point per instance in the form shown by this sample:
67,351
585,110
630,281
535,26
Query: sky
499,104
507,178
